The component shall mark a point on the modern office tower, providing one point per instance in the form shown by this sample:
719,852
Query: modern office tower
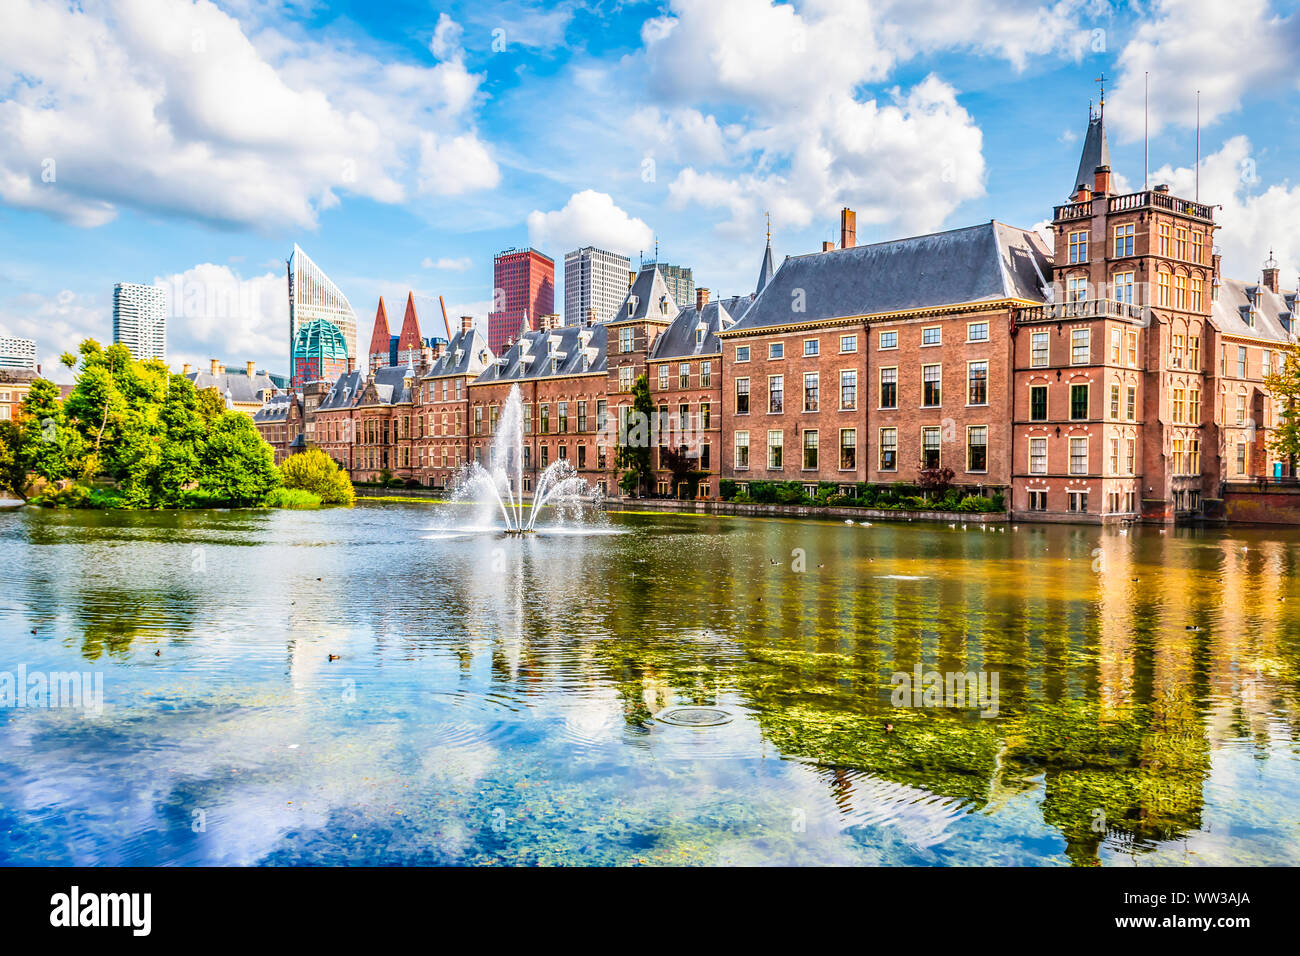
17,353
319,353
680,282
312,296
140,319
595,280
523,287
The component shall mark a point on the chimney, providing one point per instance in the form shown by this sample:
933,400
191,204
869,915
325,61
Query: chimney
252,368
1215,259
214,367
828,246
1101,179
701,298
352,363
591,317
1162,188
1083,193
848,228
186,369
1270,273
466,323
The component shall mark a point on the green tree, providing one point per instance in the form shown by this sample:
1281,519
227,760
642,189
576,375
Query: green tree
1284,387
13,461
315,471
51,447
635,441
236,466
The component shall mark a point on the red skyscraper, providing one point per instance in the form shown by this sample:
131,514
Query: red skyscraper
523,283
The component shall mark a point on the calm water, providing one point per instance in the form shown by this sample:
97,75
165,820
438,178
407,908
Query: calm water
494,700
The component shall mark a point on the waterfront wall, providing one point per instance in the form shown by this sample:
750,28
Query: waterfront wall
1270,504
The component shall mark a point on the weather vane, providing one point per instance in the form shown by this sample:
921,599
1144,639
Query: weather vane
768,214
1102,81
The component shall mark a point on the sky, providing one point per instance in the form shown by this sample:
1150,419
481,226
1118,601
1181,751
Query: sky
403,144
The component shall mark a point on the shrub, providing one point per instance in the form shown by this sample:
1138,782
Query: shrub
295,498
726,489
316,472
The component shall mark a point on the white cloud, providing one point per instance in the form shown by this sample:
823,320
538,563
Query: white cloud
213,312
58,323
681,135
171,107
447,265
1225,50
589,218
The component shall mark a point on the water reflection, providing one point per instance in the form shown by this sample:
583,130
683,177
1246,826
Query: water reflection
338,686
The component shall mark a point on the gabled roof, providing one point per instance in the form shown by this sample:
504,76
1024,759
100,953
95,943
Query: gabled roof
379,339
984,263
1096,152
467,354
682,340
1230,308
551,353
648,299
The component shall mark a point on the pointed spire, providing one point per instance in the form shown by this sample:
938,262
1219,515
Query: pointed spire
1096,152
380,338
409,338
767,269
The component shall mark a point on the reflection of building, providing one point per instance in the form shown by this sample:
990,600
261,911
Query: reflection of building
140,319
312,296
17,353
523,288
595,281
319,352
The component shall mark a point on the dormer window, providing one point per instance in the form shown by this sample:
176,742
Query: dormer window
663,305
631,306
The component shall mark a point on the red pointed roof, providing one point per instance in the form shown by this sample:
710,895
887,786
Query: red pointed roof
410,334
379,340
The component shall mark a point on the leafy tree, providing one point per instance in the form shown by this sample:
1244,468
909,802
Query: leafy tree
633,452
935,480
236,466
317,472
1284,387
50,446
13,461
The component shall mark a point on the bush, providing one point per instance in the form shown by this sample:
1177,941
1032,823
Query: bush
726,489
316,472
295,498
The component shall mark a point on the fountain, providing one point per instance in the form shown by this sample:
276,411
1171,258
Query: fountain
502,480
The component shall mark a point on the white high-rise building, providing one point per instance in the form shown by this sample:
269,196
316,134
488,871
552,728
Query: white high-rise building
17,353
313,296
594,279
140,319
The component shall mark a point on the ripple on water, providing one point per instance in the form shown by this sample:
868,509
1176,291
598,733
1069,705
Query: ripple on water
920,817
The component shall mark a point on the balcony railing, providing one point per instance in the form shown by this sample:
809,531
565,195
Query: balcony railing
1130,201
1080,309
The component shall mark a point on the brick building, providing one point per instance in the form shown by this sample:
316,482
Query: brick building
523,288
442,406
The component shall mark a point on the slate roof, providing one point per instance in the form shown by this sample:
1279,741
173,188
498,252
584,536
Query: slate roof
648,298
466,354
276,409
983,263
1096,152
343,392
1228,312
242,389
766,270
529,358
679,339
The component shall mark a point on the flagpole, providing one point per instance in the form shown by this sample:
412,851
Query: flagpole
1146,130
1198,145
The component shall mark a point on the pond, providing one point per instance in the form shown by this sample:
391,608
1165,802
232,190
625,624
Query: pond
366,686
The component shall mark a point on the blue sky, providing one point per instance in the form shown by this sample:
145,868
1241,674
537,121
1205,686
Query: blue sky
402,146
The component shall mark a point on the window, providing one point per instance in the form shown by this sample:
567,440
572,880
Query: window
1164,239
810,449
1124,288
625,378
1080,346
1132,403
582,456
1194,352
1177,348
1131,347
1114,346
1038,349
1078,247
889,449
663,378
1241,458
889,387
1194,405
1078,456
1162,289
775,443
582,416
1241,361
1130,457
1114,401
1124,240
742,396
1180,292
1264,364
977,383
1198,294
545,412
848,343
776,350
932,336
848,389
1180,243
1078,501
811,390
1193,456
625,338
562,414
889,340
1038,501
977,332
848,449
1038,456
1078,402
1180,405
706,375
545,456
1241,408
1198,247
684,375
742,449
811,346
1038,403
930,439
977,448
601,415
478,419
775,393
704,416
684,417
1179,456
1076,289
742,353
931,381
